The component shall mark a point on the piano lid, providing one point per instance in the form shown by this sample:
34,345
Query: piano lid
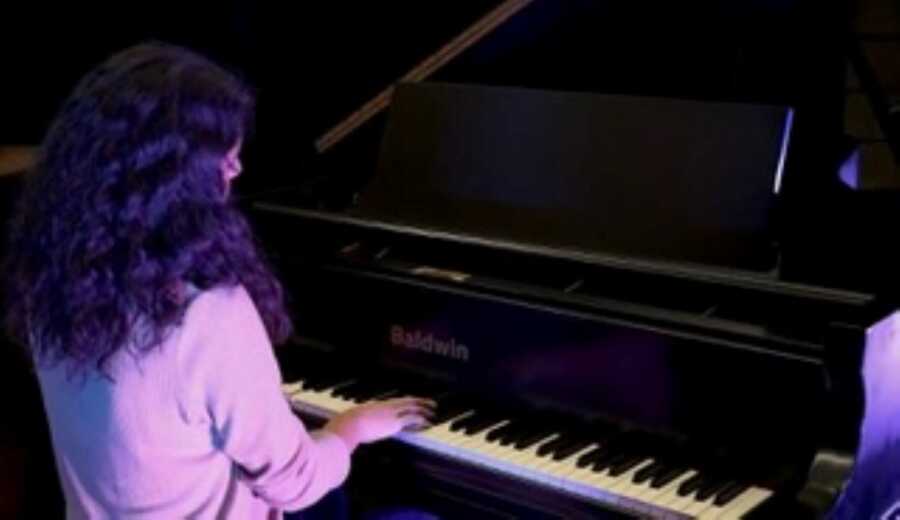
350,54
757,51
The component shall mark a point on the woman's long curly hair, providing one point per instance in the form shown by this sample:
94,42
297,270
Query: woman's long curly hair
126,211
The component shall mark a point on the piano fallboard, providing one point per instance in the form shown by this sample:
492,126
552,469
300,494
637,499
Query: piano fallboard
750,375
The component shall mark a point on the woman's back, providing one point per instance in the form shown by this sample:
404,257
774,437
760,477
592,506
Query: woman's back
141,443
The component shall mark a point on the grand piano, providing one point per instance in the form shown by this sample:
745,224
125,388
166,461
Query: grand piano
619,301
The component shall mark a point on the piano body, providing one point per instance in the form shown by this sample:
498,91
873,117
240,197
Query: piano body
578,373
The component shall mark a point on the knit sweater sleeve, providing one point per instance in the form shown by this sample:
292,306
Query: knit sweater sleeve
229,373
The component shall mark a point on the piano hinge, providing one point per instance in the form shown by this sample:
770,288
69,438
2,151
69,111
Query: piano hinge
574,286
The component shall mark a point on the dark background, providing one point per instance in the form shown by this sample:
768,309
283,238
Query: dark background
315,64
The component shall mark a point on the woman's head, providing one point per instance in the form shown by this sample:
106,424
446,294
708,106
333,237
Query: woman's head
128,207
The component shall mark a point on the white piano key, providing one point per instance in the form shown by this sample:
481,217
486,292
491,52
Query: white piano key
292,387
554,470
716,511
697,508
478,442
529,457
459,437
564,475
746,502
660,497
480,449
512,459
495,449
603,479
681,503
561,469
625,488
578,478
325,400
525,462
517,456
597,485
440,433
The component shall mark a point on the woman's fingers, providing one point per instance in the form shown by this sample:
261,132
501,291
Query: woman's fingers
415,400
414,422
407,402
415,410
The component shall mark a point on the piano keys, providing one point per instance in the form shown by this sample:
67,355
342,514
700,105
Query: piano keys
625,470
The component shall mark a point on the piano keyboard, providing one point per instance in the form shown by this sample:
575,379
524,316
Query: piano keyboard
608,468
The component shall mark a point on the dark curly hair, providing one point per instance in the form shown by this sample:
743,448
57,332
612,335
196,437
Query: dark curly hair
126,211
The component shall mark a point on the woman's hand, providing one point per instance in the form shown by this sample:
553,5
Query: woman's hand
377,420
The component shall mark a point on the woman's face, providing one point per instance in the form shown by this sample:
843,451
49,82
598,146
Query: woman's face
231,165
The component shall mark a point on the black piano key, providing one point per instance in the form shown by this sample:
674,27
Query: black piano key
573,448
374,391
481,424
604,436
442,416
499,433
311,381
617,450
325,385
519,430
691,485
449,399
463,422
325,381
729,492
533,437
432,394
448,403
609,460
511,438
430,389
668,458
453,401
626,465
449,409
648,472
666,476
348,390
569,438
291,372
590,457
387,393
420,389
710,487
549,447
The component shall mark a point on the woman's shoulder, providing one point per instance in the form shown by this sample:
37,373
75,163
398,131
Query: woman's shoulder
218,298
221,311
221,329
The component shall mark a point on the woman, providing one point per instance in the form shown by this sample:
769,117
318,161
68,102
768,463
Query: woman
149,311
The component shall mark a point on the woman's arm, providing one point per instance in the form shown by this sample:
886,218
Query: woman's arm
229,368
235,376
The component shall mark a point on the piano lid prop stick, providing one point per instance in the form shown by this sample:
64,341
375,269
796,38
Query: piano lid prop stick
454,48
